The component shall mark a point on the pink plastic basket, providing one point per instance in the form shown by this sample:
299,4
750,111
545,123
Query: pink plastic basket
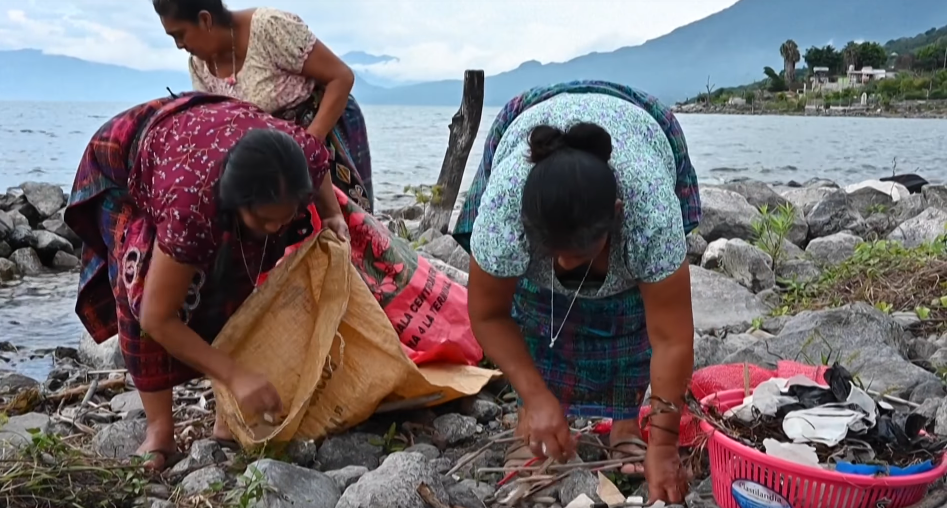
746,478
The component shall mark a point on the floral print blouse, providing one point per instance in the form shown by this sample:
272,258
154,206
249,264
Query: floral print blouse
271,76
650,245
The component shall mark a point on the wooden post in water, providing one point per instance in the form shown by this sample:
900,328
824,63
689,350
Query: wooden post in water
463,132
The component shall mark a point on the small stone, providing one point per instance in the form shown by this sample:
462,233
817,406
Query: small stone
151,502
125,402
104,356
483,410
696,246
463,497
579,482
303,453
351,449
482,490
832,249
203,480
428,450
157,490
347,476
8,270
203,453
455,428
928,390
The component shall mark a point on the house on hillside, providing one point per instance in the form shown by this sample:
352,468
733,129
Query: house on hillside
865,75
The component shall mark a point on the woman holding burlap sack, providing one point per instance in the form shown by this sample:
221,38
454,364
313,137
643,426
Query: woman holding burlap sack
181,204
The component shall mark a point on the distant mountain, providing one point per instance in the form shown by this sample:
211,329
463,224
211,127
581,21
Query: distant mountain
31,75
363,58
730,47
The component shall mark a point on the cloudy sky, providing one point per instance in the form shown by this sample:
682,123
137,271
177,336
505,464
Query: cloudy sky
433,39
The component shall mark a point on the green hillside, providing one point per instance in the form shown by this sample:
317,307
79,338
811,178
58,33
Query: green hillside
919,63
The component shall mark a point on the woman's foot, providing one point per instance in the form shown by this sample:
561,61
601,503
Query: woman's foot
625,439
159,450
222,434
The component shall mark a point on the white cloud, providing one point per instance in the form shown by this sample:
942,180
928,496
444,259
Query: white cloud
433,39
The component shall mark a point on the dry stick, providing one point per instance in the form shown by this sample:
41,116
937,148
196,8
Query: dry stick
565,467
429,497
81,390
470,457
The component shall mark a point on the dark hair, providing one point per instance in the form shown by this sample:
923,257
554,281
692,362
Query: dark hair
569,195
189,10
264,167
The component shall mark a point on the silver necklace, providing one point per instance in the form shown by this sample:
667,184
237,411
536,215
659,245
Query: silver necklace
232,79
552,300
244,256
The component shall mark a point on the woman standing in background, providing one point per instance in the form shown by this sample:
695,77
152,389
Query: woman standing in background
270,58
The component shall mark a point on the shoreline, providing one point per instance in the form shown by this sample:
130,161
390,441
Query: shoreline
939,114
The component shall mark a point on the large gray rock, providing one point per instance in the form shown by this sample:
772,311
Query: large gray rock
833,214
203,453
805,198
58,226
46,198
293,486
8,270
14,382
18,431
909,207
935,195
120,440
726,214
713,254
104,356
394,484
797,270
712,350
721,303
452,273
48,244
756,193
869,200
866,341
347,476
748,265
6,224
27,261
696,246
925,227
832,249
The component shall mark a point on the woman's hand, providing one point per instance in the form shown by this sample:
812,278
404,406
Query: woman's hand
338,226
665,474
547,431
254,393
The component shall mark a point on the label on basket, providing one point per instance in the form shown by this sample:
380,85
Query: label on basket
749,494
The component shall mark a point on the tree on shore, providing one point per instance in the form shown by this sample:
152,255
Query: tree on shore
777,83
826,56
790,53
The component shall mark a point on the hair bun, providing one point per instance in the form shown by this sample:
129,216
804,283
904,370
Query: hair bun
544,140
591,138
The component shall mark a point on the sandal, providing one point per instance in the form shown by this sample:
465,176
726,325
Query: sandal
165,458
616,454
227,444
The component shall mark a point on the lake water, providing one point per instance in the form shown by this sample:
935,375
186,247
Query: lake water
43,142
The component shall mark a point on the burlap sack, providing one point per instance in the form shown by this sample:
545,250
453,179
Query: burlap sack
317,333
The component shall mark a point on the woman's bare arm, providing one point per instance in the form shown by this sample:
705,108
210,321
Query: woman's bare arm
326,68
670,323
490,302
166,286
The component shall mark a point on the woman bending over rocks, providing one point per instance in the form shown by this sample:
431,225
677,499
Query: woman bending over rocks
579,284
181,204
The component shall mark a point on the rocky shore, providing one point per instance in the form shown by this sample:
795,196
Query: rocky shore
811,272
33,237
